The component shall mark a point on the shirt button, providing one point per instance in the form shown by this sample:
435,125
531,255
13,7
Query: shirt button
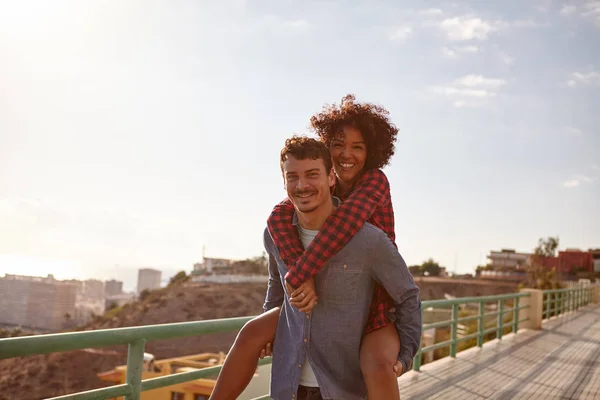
345,266
299,365
305,340
307,316
293,396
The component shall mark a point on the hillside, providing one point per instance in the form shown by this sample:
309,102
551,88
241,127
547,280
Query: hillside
36,377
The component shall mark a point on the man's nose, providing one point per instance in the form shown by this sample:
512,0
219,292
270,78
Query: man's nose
302,183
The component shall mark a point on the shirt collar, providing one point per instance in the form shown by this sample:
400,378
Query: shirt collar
336,203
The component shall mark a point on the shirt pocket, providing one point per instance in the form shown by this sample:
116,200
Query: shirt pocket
343,282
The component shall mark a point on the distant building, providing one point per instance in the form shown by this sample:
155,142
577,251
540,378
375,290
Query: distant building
36,302
93,289
508,259
572,261
148,279
113,288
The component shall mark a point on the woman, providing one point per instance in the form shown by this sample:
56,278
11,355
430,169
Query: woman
361,140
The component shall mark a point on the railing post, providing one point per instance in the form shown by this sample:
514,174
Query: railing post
547,297
556,304
454,330
516,315
500,318
534,312
135,361
595,291
480,324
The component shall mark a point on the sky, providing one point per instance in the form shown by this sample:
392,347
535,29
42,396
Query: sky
136,133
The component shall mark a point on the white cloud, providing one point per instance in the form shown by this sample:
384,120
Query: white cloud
478,80
453,52
278,23
467,28
571,183
506,59
592,10
452,90
470,90
584,78
577,180
431,11
468,49
401,33
572,131
568,9
449,52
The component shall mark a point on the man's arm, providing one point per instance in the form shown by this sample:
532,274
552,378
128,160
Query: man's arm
275,294
389,269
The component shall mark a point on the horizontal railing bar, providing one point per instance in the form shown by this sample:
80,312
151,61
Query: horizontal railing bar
43,344
494,329
98,394
463,300
439,324
180,377
467,337
524,320
436,346
523,307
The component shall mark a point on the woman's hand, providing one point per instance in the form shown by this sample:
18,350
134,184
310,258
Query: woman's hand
305,297
267,351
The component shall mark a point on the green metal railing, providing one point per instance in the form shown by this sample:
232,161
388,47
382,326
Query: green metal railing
498,326
560,301
555,302
135,338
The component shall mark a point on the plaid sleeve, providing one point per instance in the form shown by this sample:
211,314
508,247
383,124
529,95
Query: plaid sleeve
284,234
371,192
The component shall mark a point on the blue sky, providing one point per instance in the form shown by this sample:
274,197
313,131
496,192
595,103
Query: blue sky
134,133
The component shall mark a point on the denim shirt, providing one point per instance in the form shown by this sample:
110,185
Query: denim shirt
330,336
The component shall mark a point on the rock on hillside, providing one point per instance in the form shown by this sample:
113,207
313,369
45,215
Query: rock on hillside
36,377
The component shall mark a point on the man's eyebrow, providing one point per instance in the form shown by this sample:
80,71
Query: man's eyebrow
312,170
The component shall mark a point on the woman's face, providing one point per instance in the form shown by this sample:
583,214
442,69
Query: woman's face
348,153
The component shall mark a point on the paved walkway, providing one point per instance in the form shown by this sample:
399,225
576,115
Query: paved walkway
562,361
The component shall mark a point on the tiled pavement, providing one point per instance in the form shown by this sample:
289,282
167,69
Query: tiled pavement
562,361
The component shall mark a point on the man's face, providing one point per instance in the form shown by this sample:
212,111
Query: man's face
307,183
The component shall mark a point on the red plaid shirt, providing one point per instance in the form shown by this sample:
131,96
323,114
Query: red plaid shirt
370,201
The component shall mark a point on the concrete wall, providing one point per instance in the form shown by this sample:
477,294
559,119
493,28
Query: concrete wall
436,288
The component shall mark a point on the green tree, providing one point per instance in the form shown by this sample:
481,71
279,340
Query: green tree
538,275
415,270
178,278
430,268
144,294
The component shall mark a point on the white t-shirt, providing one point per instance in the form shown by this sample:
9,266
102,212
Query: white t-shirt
307,375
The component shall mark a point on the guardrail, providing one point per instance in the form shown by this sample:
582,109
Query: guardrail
507,305
135,338
559,301
501,303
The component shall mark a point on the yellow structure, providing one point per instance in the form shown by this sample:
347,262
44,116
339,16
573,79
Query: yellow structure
199,389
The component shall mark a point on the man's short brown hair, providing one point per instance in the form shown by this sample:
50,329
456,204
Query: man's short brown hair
303,147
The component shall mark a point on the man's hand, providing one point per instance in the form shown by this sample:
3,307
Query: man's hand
266,352
304,298
398,368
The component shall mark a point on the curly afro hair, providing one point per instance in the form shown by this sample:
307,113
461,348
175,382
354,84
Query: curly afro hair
370,119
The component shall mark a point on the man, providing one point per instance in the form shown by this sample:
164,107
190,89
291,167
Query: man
316,355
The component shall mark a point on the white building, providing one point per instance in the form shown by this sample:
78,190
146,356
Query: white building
148,279
508,259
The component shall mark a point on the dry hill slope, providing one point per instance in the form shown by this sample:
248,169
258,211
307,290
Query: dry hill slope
37,377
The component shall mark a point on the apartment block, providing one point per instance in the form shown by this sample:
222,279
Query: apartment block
36,302
113,288
149,279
